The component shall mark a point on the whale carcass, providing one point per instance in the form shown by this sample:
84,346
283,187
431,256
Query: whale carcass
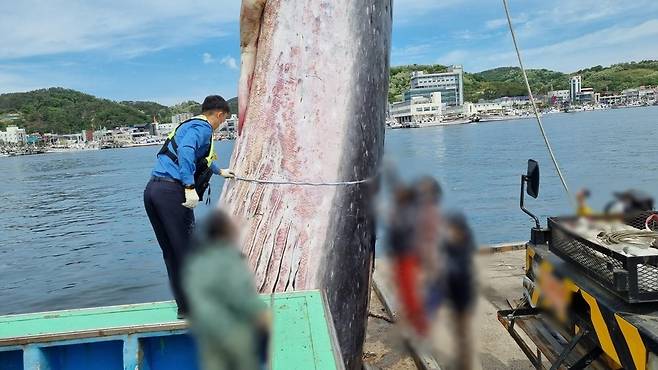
312,108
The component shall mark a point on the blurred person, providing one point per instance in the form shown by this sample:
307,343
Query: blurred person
630,201
583,209
458,249
230,321
428,223
181,174
405,262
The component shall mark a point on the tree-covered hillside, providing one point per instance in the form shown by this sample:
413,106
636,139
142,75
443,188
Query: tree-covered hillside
61,110
508,81
65,111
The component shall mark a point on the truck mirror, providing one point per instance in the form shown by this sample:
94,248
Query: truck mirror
532,177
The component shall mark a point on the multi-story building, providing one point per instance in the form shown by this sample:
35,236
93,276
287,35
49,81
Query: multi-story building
586,95
450,84
558,96
418,109
163,129
181,117
13,135
485,107
615,99
575,86
231,123
510,101
642,94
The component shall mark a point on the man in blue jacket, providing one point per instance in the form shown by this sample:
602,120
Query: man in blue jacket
182,171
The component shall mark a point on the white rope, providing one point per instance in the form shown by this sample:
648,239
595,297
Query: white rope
534,106
300,183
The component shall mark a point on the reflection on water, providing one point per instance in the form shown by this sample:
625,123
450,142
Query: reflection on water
74,232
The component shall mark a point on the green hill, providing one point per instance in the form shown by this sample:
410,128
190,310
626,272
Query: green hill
508,81
65,111
62,110
621,76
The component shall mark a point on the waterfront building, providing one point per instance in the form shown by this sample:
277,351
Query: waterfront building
418,109
640,95
647,94
33,139
511,101
450,84
71,139
556,97
488,108
614,99
231,124
177,119
586,96
575,87
13,135
163,129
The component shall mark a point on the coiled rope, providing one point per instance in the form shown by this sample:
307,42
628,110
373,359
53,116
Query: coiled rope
534,106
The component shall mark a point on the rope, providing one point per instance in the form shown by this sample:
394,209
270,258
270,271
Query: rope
640,237
534,106
233,176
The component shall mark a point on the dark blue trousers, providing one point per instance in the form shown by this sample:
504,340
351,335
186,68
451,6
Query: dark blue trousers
173,225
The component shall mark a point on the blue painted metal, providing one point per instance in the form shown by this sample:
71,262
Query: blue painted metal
163,350
67,340
11,360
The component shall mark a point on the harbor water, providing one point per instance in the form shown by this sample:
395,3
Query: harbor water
73,231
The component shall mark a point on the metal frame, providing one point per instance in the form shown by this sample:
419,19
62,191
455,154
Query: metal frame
631,293
508,319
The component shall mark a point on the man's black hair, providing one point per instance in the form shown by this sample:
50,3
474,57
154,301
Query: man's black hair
215,102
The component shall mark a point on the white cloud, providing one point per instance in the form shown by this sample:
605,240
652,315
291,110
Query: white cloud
124,28
208,58
454,57
230,62
495,23
605,46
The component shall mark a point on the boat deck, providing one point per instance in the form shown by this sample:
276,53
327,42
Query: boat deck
148,335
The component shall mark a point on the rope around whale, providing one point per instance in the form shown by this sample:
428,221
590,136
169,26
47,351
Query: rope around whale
233,176
534,106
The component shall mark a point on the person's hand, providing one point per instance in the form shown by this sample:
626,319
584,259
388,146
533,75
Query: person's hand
191,198
225,172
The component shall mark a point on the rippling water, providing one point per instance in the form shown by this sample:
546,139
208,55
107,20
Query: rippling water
74,232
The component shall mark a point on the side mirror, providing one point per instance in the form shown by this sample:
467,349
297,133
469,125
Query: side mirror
532,177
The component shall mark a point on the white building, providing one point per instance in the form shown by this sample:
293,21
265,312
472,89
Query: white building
511,101
483,108
611,99
231,123
450,84
558,96
181,117
419,110
13,135
575,87
642,94
163,129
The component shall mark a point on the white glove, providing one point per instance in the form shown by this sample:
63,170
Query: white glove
191,198
224,172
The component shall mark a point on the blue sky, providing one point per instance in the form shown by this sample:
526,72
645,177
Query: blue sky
169,51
